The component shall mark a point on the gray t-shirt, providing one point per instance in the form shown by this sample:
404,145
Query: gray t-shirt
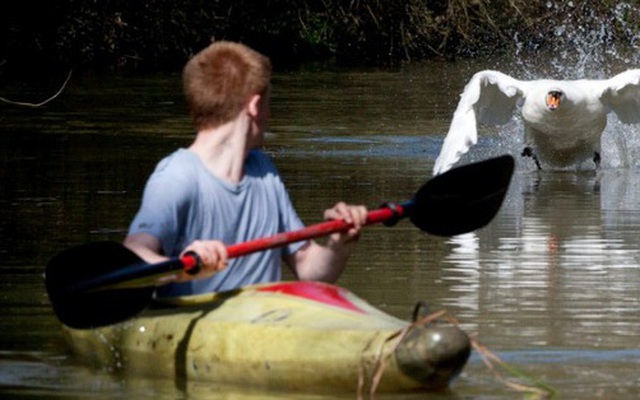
183,202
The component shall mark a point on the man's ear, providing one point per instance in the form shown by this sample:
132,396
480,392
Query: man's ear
253,107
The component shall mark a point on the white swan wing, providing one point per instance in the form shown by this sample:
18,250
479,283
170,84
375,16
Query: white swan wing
621,94
489,98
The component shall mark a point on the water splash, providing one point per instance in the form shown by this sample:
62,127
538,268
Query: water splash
583,41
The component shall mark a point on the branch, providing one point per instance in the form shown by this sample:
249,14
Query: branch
35,105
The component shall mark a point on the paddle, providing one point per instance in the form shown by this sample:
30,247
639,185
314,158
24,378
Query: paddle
102,283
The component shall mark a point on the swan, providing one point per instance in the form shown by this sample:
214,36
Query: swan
563,119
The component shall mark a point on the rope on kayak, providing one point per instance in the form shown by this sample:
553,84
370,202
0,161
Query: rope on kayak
536,388
524,383
395,339
420,310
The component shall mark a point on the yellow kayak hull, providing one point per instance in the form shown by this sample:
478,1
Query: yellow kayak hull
299,336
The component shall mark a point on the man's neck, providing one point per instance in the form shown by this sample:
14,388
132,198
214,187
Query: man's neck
223,151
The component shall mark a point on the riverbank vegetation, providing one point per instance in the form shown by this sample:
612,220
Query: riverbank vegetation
162,34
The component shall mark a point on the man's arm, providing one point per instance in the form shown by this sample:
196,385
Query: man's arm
212,253
146,246
315,262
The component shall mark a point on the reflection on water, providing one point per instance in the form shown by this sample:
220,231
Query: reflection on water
551,284
560,258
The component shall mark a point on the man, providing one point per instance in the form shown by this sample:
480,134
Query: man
223,189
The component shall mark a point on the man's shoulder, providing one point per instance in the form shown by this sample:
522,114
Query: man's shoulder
182,165
180,159
179,169
261,160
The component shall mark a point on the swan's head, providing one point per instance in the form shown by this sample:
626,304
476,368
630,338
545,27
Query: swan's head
553,99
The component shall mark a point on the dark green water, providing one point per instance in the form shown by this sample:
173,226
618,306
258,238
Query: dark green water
551,285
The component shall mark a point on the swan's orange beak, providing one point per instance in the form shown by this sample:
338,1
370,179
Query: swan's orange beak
553,100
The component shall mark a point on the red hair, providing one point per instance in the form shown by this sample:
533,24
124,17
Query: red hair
221,79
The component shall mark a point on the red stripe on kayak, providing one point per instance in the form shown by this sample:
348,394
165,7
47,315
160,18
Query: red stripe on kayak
322,293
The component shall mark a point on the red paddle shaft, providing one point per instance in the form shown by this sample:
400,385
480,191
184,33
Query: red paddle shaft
389,212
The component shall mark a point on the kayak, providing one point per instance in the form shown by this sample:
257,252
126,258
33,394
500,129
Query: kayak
286,335
295,336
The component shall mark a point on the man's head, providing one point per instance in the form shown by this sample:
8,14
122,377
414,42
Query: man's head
221,79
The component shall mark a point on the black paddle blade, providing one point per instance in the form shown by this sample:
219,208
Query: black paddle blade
83,309
463,199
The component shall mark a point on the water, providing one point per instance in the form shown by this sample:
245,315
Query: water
551,285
